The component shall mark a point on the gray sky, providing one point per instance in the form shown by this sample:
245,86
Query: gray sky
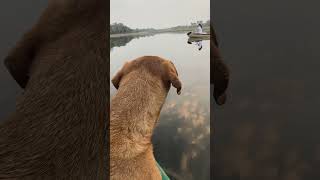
158,13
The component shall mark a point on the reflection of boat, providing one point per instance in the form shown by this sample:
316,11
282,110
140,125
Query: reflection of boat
197,39
198,35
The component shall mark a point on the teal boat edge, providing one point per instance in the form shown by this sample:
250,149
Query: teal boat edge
163,174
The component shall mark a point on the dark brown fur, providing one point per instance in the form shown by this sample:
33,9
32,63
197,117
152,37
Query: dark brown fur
142,86
58,128
219,71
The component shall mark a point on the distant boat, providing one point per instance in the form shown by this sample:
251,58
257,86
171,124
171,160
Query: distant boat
198,35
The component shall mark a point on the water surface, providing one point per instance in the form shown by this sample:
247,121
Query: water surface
269,128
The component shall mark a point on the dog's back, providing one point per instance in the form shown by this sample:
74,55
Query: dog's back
142,86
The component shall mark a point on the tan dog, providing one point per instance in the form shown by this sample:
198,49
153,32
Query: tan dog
143,85
58,128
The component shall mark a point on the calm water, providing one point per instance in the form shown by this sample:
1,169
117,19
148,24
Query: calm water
269,128
182,138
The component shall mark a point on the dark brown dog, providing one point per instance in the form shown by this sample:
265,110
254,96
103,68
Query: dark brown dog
219,71
143,85
58,128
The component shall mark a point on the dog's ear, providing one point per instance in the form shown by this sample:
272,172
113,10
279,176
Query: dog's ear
117,78
214,38
220,81
219,71
173,77
20,58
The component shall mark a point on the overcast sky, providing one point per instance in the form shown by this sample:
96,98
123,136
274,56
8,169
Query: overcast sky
158,13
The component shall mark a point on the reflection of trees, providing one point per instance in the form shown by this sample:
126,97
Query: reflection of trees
124,40
182,140
120,41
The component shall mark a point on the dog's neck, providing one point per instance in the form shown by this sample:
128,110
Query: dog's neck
134,112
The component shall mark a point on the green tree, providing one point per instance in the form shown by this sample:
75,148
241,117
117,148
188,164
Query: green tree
117,28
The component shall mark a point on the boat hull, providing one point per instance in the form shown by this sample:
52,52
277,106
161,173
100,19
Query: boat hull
198,35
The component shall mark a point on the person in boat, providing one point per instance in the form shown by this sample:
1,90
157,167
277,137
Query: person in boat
199,29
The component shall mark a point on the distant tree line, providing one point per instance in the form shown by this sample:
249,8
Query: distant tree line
190,27
117,28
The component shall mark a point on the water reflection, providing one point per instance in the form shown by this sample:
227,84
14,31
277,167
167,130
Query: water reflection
197,42
182,138
120,41
123,40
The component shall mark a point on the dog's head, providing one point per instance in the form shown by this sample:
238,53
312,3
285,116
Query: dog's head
219,72
155,65
60,17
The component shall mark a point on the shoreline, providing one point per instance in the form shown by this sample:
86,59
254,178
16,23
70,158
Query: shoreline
151,33
132,34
